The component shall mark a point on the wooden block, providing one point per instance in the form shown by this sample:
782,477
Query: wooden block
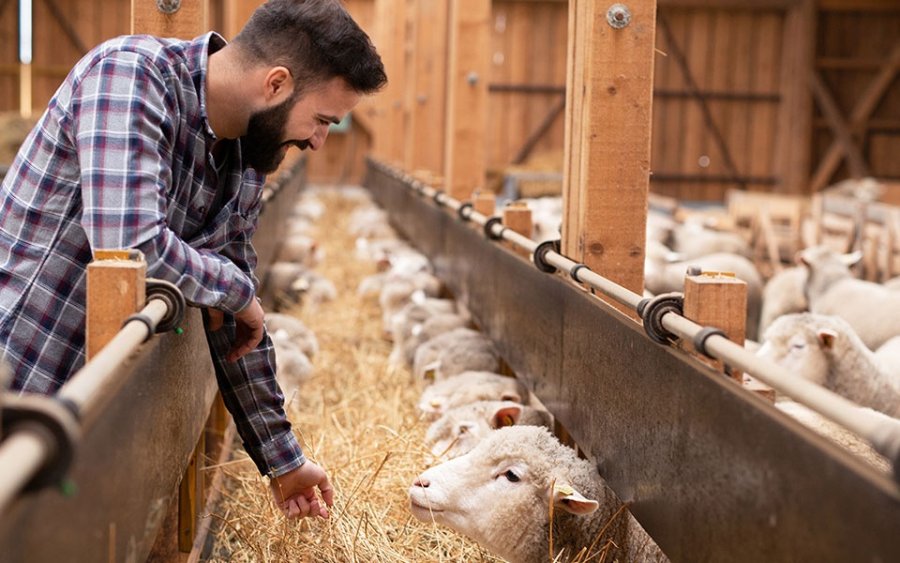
719,300
484,203
517,217
115,290
190,498
189,21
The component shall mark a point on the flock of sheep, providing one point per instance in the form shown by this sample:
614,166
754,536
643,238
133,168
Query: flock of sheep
502,478
491,438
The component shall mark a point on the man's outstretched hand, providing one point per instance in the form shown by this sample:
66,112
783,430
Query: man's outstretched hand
295,491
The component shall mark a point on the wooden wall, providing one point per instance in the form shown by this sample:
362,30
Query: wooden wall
731,109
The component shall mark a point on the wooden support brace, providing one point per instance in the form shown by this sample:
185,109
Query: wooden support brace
116,289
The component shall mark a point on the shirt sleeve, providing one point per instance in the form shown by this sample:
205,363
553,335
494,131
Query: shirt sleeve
249,388
124,119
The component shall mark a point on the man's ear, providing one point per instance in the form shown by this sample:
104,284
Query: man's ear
279,84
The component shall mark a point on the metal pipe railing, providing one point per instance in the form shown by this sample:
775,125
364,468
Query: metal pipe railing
883,435
31,447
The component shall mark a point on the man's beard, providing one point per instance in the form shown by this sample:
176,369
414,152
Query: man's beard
262,147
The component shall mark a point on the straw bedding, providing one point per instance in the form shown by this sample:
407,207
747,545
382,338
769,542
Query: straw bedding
357,419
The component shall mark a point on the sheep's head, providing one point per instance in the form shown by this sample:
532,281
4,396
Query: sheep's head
804,344
462,428
499,494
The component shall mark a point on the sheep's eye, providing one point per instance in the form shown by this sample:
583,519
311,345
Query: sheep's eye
798,345
511,476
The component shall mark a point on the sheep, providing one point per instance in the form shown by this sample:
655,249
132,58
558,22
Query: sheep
398,291
416,324
693,240
499,495
893,284
302,336
782,295
825,350
309,207
370,222
664,272
460,429
291,283
454,352
871,309
836,433
469,387
300,249
292,366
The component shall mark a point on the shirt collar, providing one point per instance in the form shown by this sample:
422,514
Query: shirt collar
201,48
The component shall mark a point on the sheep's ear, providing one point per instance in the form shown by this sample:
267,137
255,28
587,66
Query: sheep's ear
852,258
827,338
570,500
431,371
506,416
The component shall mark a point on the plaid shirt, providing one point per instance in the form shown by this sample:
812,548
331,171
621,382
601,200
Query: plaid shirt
122,159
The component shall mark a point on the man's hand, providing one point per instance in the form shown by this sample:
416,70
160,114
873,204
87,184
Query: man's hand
295,491
248,330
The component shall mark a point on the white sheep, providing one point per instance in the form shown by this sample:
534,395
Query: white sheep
499,495
870,308
453,353
301,249
292,366
418,323
782,295
469,387
292,283
462,428
693,240
825,350
893,284
397,292
836,433
302,336
664,272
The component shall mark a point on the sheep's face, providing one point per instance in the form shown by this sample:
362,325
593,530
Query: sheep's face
461,429
499,493
796,345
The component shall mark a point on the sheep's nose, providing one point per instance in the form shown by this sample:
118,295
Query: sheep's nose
421,482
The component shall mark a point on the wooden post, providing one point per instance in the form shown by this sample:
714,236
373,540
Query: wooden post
115,290
468,74
25,91
484,203
236,13
793,139
427,86
517,217
190,20
388,35
608,115
190,498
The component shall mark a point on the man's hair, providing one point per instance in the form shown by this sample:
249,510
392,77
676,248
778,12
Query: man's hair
316,40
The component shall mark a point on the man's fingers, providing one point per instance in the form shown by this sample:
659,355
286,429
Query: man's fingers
327,490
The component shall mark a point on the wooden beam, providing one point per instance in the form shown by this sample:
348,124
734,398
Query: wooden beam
236,14
861,111
468,73
115,290
541,130
719,300
839,127
608,118
388,35
189,21
793,139
69,31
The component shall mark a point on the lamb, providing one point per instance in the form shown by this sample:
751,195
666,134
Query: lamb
454,352
460,429
399,291
693,240
292,283
498,494
825,350
871,309
301,335
469,387
782,295
416,324
664,271
292,366
300,249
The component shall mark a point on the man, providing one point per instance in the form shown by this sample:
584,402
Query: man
161,145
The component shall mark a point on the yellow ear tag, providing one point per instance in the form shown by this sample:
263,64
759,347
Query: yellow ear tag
564,490
430,375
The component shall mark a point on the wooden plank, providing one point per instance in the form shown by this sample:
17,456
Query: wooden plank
190,497
115,290
767,78
793,137
467,81
839,127
235,14
188,22
613,143
430,76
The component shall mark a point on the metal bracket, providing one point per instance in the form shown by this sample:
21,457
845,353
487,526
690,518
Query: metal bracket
172,296
652,310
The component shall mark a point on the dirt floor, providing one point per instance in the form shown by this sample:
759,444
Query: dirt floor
357,419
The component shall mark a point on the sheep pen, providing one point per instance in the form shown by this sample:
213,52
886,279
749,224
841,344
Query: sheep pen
357,418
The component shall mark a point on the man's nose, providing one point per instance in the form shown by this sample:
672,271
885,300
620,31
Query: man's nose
318,138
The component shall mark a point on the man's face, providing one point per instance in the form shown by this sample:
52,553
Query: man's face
301,122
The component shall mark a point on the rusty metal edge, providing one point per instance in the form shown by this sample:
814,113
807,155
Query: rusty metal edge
712,472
